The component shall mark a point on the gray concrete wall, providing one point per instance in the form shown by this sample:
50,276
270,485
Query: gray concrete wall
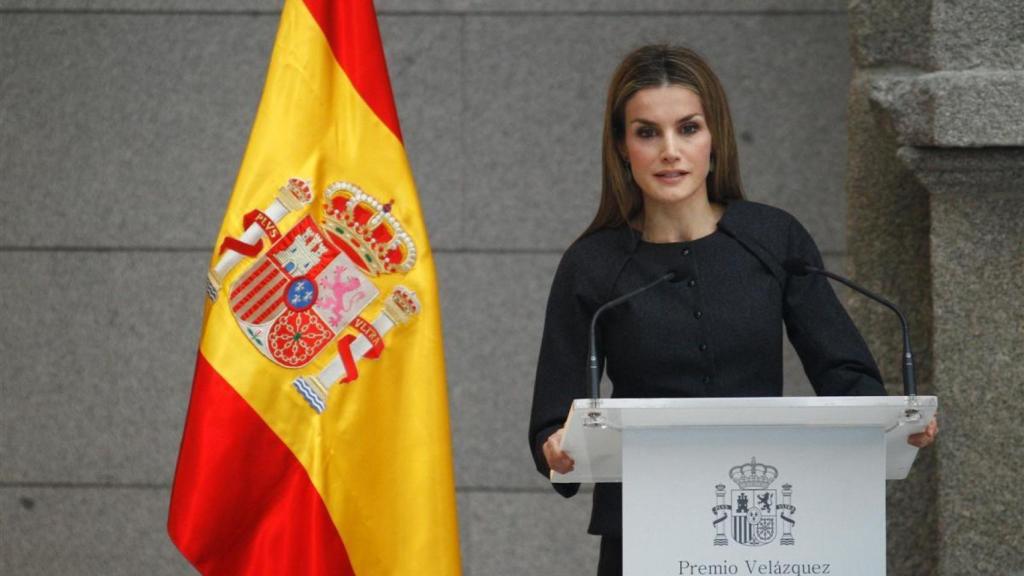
122,124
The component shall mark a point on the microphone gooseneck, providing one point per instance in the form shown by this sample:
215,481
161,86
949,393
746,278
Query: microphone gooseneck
798,267
674,275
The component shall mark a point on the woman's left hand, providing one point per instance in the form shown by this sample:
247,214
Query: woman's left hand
925,438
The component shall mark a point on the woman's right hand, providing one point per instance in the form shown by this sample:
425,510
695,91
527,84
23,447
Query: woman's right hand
558,460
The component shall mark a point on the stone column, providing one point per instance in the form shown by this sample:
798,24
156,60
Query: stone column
936,220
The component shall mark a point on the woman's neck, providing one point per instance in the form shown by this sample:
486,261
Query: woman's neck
680,221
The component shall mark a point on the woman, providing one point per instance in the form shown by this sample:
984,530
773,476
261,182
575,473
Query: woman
671,199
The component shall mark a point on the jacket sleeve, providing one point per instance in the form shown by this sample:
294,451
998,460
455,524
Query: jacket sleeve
833,352
561,368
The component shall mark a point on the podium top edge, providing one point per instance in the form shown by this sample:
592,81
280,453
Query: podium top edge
594,432
758,402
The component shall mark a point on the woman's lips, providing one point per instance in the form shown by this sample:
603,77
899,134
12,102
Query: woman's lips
670,175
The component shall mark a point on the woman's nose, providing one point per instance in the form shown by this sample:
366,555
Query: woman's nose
670,148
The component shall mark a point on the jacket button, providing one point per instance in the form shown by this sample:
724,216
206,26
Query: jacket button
703,347
691,283
686,251
698,314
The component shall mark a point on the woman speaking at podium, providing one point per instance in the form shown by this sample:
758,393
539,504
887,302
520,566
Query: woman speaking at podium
671,200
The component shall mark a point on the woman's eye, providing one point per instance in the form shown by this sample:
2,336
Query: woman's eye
690,128
645,132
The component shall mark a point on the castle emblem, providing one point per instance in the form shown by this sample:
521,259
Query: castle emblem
753,507
304,296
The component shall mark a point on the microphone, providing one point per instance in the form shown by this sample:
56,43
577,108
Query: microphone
673,275
799,267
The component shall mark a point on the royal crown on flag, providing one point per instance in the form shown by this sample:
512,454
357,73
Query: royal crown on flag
295,194
402,305
753,475
363,227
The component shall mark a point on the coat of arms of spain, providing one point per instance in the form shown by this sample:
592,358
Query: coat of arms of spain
754,507
299,298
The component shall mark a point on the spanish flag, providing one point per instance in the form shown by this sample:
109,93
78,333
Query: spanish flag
317,438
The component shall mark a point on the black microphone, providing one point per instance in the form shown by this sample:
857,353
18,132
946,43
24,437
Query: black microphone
798,267
673,275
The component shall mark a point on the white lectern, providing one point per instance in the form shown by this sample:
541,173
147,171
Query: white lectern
748,485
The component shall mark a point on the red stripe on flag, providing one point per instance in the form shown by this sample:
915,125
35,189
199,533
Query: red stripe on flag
242,503
351,30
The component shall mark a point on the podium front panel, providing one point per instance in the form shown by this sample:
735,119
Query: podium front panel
753,500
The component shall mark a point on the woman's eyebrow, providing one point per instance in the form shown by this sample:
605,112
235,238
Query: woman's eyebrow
652,123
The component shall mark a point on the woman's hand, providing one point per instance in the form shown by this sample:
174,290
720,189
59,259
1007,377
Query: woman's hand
558,460
922,439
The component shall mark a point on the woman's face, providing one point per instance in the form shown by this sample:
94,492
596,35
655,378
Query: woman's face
667,144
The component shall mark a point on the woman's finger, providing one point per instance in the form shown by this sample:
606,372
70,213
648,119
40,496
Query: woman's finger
927,437
565,464
558,460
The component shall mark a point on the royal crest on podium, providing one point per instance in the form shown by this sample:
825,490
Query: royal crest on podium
754,507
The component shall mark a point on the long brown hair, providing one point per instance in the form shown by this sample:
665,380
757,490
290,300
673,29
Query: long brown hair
655,66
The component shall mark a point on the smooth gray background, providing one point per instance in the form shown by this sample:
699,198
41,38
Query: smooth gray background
122,125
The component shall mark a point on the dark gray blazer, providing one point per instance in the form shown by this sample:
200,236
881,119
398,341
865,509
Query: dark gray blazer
718,333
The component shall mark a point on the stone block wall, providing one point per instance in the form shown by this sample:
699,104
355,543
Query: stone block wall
122,125
936,202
